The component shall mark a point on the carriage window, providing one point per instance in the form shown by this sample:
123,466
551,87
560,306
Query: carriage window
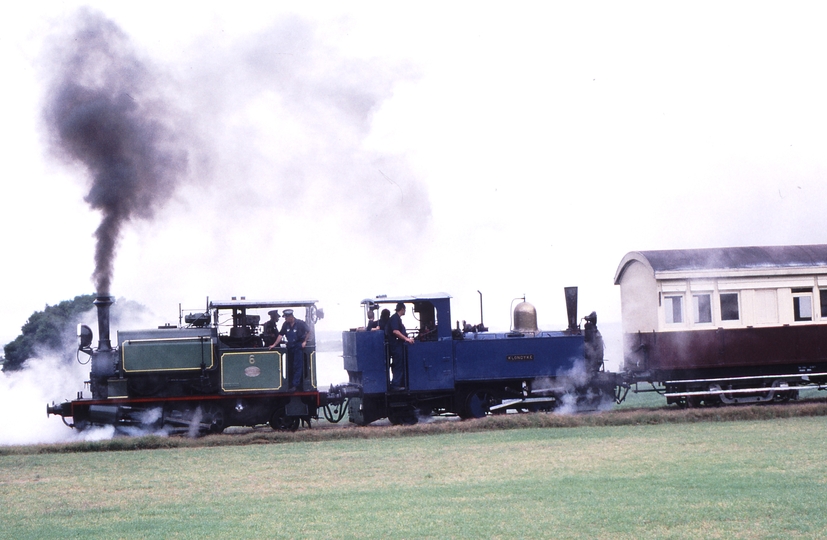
766,306
702,305
729,307
673,309
822,293
803,307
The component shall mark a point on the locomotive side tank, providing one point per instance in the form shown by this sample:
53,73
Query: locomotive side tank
213,372
467,370
725,325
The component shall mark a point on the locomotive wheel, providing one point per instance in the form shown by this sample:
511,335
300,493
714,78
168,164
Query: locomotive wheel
214,416
405,416
280,422
477,404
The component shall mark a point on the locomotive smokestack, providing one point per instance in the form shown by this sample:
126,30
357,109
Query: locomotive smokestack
571,308
102,302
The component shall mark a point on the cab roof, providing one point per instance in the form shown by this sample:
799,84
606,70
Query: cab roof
385,299
252,304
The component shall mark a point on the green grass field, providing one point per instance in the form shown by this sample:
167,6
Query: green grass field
733,479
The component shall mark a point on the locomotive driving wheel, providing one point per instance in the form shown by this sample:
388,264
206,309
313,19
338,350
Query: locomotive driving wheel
477,404
213,416
281,422
406,416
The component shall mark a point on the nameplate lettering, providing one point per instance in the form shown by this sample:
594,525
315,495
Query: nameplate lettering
520,357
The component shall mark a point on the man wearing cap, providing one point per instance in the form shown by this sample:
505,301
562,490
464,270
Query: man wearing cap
271,328
397,338
296,333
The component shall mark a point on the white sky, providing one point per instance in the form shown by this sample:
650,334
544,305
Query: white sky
513,151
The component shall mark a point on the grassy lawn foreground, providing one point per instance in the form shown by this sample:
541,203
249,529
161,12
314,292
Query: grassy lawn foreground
763,479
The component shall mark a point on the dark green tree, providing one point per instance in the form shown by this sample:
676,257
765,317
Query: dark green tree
46,330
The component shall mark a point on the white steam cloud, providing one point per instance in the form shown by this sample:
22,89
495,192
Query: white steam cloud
55,376
574,392
24,395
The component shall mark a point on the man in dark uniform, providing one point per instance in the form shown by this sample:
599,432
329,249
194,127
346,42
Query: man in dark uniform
296,332
371,322
594,347
397,338
271,328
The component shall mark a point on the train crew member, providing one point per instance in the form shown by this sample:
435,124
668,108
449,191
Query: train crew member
371,322
271,328
384,317
594,347
397,337
297,333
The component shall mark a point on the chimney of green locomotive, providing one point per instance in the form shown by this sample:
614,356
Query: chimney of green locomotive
102,302
105,358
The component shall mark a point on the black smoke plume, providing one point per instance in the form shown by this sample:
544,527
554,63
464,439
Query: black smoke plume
105,110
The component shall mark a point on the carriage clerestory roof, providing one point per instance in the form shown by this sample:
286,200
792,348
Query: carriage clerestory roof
727,259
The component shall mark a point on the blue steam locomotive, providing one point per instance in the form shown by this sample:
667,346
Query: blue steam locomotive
468,371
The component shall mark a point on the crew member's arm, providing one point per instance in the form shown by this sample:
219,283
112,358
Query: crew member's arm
402,336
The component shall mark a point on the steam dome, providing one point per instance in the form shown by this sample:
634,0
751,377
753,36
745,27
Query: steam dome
525,318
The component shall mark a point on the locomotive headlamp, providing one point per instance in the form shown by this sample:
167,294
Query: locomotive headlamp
84,339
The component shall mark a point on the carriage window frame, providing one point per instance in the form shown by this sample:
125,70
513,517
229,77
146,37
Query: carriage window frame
799,297
673,314
702,308
730,308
